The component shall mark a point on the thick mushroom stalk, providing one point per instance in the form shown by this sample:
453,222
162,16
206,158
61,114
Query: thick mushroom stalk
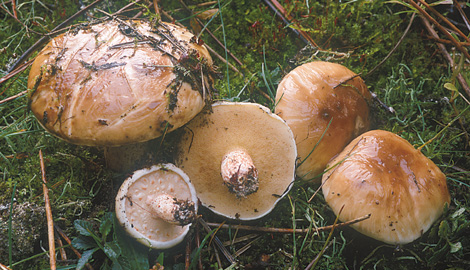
239,173
172,210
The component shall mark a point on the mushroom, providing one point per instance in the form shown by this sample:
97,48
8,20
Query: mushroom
156,205
326,106
240,158
118,83
382,174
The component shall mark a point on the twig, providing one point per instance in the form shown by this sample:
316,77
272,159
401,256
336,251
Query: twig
445,41
443,18
50,221
281,12
222,59
126,7
212,35
206,45
67,239
43,40
446,55
16,19
187,258
315,260
462,13
13,97
16,71
198,245
327,243
394,48
286,230
4,267
444,31
155,6
217,241
63,254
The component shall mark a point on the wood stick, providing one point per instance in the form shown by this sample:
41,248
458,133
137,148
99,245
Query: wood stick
212,35
286,230
219,244
446,55
67,239
4,267
443,18
442,29
63,254
275,6
16,71
13,97
50,221
206,45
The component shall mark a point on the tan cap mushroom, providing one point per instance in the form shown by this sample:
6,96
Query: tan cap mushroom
240,158
381,174
156,205
119,82
309,98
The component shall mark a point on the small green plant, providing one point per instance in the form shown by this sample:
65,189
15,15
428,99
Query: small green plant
120,252
449,233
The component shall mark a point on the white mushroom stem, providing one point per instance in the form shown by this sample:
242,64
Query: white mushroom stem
239,173
172,210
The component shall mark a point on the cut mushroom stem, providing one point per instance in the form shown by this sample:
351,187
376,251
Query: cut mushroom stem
172,210
239,173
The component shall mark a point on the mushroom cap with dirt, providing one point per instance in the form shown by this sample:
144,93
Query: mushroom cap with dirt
156,205
382,174
240,158
326,106
119,82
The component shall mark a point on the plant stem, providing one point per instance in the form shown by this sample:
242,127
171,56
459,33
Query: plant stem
286,230
50,221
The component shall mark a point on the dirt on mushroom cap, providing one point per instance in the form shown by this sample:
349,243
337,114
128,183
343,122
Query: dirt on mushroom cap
381,174
117,82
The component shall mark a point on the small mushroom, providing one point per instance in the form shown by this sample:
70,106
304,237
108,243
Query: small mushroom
381,174
326,106
156,205
240,158
119,83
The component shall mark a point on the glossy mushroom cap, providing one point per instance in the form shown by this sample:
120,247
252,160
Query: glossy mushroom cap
116,83
236,131
309,98
153,204
381,174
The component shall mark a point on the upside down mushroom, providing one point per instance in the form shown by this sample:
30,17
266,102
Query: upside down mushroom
117,83
240,158
157,205
382,174
326,106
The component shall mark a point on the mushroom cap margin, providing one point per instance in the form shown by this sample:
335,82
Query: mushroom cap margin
122,208
382,174
233,126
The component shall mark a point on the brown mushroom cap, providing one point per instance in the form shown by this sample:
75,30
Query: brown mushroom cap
115,83
381,174
134,208
311,96
246,127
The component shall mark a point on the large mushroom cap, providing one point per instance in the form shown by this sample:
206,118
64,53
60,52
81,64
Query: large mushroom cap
251,134
381,174
140,198
118,82
312,95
